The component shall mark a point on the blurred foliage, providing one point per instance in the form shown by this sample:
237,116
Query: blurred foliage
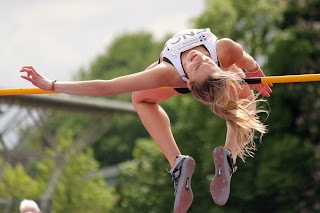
74,192
13,182
253,23
141,187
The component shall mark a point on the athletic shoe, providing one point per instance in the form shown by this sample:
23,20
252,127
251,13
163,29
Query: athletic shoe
181,176
224,169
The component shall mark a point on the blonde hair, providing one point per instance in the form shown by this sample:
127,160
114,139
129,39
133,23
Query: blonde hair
29,206
220,90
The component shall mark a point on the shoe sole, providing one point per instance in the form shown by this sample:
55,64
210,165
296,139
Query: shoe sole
220,184
184,194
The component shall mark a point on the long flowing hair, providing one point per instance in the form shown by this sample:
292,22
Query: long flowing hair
220,90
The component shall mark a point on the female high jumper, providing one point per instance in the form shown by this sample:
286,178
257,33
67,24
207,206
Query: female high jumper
195,61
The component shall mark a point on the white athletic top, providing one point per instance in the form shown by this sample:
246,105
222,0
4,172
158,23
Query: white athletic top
186,40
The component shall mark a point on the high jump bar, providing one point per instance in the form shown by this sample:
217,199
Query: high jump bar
283,79
256,80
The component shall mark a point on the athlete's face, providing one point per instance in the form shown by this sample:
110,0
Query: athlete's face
199,66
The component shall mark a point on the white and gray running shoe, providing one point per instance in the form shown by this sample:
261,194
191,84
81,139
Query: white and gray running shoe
181,176
224,169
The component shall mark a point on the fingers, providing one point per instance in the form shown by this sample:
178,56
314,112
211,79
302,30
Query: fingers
31,75
268,88
27,68
263,89
26,77
30,71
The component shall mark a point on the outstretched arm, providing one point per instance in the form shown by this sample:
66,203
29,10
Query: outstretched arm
253,69
234,54
264,89
148,79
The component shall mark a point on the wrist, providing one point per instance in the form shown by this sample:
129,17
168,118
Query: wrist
52,85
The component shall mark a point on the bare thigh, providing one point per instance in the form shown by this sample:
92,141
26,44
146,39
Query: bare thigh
153,95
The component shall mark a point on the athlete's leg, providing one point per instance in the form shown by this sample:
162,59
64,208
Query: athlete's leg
225,157
156,120
230,142
157,123
244,93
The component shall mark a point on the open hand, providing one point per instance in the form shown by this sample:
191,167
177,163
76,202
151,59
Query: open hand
263,89
36,78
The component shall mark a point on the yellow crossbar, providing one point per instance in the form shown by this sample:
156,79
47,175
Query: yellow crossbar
23,91
262,80
291,78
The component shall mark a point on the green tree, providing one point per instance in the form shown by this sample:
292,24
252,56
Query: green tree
144,185
76,192
250,22
14,181
296,51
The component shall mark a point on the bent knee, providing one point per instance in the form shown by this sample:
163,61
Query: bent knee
134,98
138,98
153,96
